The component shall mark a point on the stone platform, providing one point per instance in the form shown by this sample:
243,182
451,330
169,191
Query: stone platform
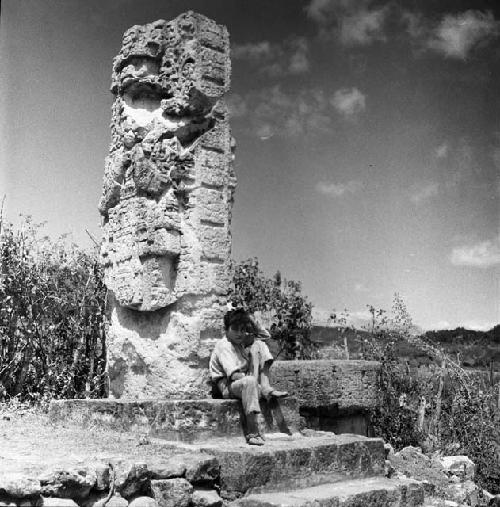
333,395
375,492
176,420
288,462
310,469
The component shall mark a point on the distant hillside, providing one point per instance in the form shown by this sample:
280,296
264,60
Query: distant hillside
476,348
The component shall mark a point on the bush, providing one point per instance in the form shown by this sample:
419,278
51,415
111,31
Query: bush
51,317
459,413
288,311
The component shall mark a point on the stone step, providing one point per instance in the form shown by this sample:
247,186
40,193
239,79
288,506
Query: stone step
373,492
177,420
290,462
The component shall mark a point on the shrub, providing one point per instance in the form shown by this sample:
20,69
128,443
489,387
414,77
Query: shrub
51,317
459,413
282,301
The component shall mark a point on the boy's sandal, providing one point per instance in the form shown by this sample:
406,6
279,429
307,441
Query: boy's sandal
275,394
254,439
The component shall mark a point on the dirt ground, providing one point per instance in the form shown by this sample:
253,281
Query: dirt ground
30,443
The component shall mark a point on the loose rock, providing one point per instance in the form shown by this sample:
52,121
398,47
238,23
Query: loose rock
172,492
19,486
143,501
102,476
73,483
202,469
170,468
132,479
117,501
59,502
461,466
206,498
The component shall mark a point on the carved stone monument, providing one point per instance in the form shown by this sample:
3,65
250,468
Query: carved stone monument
166,207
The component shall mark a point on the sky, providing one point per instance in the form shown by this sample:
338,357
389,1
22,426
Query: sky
368,140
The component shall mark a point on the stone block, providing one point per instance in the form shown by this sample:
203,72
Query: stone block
295,461
374,491
333,395
17,485
73,483
58,502
206,498
143,501
172,492
179,420
132,479
349,385
461,466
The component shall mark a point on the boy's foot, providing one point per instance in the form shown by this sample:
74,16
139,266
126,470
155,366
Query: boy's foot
254,439
274,393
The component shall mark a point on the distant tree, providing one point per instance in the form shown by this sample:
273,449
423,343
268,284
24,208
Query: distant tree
282,300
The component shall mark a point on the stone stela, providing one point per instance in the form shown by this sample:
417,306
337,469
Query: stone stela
166,207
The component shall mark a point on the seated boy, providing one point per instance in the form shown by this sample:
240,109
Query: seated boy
240,364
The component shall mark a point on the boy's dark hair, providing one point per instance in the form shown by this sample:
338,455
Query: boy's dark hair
237,319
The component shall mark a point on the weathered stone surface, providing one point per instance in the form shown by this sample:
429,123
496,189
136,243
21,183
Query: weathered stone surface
461,466
101,471
18,485
143,501
201,469
295,461
117,501
172,492
169,468
465,493
132,479
411,462
373,491
58,502
32,502
333,395
166,206
206,498
346,385
184,420
73,483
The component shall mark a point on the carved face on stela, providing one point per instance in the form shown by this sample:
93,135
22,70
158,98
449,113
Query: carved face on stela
167,80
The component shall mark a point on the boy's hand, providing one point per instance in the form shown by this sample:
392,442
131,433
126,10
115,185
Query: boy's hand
248,339
237,375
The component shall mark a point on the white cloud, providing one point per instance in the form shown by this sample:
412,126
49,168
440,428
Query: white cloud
484,254
338,189
425,192
363,27
349,102
273,111
474,325
251,51
478,325
442,324
276,59
456,35
353,22
442,150
264,132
